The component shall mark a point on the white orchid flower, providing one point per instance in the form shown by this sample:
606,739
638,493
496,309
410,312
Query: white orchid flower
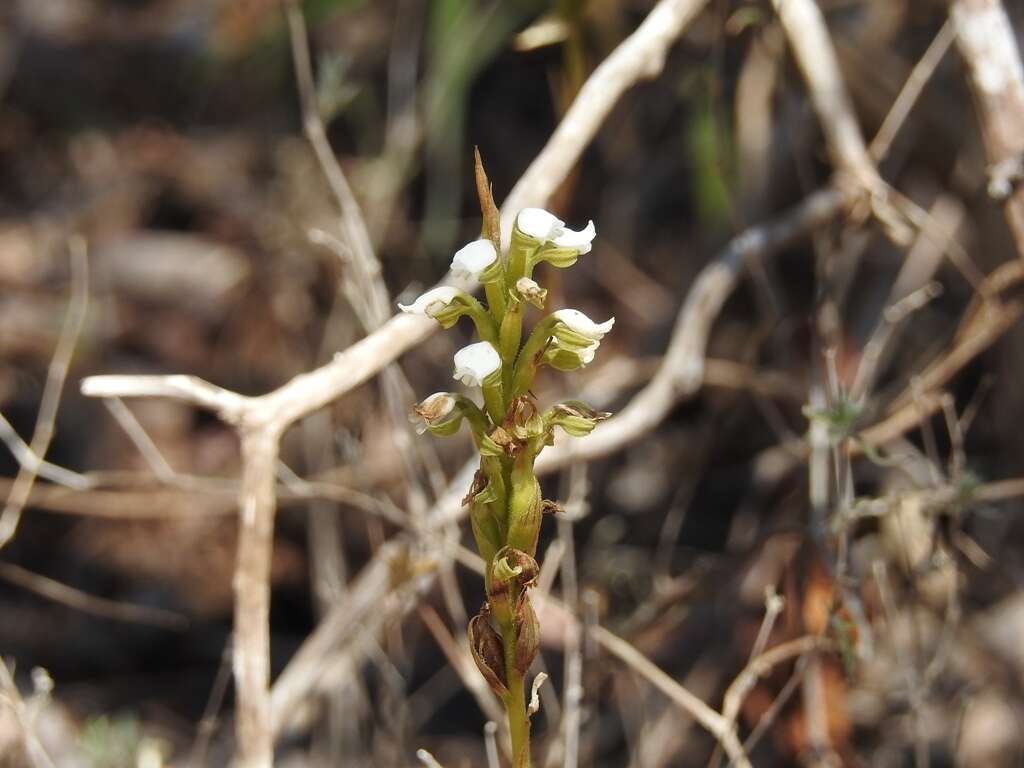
476,363
548,228
431,302
472,260
583,325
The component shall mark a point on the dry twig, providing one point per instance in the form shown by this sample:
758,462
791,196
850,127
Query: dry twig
988,44
55,377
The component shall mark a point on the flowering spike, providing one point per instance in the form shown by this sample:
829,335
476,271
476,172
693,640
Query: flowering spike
505,502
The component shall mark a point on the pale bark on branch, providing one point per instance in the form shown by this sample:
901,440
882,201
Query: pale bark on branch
988,45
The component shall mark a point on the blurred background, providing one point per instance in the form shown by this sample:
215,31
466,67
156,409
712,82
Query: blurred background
167,134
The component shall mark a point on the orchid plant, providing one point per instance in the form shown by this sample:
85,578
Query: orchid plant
509,431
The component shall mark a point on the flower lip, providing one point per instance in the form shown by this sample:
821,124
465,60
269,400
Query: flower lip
539,224
546,227
432,301
583,325
475,363
587,355
581,240
473,258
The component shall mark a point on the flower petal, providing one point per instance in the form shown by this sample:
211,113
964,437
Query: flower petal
582,239
539,224
583,325
587,355
473,258
432,301
475,363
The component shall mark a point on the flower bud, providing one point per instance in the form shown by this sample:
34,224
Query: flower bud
530,292
477,364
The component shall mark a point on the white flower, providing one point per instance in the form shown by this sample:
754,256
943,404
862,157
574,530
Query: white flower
472,259
431,302
475,363
583,325
546,227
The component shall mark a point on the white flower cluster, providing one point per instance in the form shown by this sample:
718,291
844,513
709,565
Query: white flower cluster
576,338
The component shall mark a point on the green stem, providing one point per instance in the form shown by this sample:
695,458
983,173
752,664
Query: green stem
525,366
520,257
496,299
515,704
494,403
486,328
510,337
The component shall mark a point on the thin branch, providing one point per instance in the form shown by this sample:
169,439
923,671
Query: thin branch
188,389
808,36
459,658
55,377
364,260
91,604
32,463
911,92
141,439
712,721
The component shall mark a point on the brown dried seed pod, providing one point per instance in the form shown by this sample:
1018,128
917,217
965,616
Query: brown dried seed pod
488,653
